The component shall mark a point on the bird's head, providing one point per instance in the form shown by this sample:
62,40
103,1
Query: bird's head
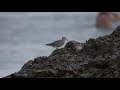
64,38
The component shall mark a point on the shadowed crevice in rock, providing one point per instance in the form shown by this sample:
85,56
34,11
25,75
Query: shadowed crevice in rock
98,58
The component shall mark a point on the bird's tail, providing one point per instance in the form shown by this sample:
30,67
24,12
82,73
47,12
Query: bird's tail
47,44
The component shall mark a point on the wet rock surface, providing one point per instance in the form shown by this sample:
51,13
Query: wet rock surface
98,58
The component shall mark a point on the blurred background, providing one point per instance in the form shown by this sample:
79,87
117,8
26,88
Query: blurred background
23,35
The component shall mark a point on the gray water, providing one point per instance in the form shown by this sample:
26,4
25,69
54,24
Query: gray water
23,35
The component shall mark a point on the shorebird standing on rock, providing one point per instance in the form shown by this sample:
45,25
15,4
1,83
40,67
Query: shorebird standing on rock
58,43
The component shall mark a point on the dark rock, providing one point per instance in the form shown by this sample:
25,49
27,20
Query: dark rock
98,58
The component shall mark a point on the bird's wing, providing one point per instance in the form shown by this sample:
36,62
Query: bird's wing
53,43
56,43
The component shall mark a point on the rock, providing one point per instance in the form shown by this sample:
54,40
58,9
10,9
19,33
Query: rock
74,45
97,58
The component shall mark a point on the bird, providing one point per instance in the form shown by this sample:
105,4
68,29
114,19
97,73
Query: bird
58,43
78,45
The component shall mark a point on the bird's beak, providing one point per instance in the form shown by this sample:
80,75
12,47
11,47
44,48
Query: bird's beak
66,39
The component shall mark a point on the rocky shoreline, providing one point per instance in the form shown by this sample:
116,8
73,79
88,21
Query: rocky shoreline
99,58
